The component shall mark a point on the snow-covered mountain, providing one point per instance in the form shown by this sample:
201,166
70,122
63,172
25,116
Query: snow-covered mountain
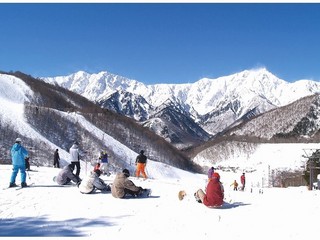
214,104
50,117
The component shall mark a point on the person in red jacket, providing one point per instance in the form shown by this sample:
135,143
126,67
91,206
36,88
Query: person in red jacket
243,181
214,192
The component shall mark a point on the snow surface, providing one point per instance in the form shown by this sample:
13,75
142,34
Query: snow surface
47,210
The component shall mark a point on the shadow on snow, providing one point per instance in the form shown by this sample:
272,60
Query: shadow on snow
41,226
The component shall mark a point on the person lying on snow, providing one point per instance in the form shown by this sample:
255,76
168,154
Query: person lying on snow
93,182
65,176
123,187
214,192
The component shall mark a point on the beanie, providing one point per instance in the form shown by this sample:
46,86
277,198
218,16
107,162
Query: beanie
126,172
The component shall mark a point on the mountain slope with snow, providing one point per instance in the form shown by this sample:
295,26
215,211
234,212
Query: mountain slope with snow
50,117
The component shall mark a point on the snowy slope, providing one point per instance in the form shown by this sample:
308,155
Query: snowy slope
47,210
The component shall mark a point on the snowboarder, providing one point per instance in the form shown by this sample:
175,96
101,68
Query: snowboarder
18,155
235,185
122,186
75,157
56,159
243,181
141,162
66,175
104,163
92,182
214,192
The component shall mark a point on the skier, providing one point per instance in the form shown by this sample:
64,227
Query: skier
56,159
122,186
18,155
243,181
66,175
141,162
75,157
104,163
214,192
92,182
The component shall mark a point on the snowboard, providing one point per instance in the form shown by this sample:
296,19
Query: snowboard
145,193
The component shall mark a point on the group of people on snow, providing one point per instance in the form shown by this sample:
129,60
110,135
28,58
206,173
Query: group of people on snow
122,186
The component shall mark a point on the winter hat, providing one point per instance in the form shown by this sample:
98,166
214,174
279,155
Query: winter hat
18,140
216,175
98,172
126,172
142,152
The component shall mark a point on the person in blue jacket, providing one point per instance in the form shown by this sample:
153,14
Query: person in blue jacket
18,155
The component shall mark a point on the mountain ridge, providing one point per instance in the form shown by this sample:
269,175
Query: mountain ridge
213,104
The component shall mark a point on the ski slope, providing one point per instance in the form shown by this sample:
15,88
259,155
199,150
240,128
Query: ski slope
48,210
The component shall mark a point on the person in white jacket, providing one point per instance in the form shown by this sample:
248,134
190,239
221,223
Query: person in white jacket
75,157
93,182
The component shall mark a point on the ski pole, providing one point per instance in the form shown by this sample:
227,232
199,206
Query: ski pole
28,175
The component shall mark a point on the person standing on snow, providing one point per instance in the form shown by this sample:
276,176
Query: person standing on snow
122,186
104,163
27,164
235,185
210,172
92,182
243,181
75,157
141,162
56,159
214,192
18,155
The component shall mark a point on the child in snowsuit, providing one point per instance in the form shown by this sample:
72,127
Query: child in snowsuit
92,182
235,185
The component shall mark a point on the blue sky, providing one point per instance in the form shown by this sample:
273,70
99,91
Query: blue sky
161,43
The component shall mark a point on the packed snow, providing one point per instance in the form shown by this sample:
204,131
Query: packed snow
46,209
